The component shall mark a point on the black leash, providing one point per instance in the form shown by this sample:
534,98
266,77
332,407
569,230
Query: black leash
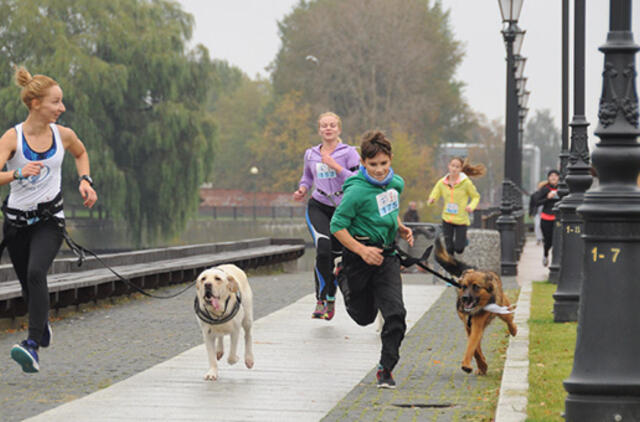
81,251
16,219
408,260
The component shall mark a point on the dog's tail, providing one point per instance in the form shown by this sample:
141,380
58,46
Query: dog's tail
452,265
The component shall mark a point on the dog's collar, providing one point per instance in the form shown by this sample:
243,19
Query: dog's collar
206,317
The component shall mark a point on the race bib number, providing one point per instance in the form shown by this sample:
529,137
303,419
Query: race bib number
452,208
323,171
387,202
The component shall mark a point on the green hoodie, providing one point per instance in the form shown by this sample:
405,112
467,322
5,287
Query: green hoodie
369,210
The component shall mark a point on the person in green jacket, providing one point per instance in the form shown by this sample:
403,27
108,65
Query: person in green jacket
366,223
460,198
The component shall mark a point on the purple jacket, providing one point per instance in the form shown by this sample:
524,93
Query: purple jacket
324,177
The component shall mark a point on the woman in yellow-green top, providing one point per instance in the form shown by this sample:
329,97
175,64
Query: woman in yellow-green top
460,198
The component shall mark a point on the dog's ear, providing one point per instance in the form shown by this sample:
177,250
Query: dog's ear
488,280
232,284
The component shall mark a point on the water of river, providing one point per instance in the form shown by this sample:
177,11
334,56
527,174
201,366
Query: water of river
109,236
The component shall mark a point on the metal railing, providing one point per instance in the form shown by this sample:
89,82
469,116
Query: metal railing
252,212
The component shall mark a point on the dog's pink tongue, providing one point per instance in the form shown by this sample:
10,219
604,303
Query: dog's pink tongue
215,303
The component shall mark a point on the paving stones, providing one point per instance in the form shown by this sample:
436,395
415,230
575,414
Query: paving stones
96,348
431,386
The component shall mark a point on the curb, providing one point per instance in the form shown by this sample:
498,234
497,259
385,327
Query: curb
512,403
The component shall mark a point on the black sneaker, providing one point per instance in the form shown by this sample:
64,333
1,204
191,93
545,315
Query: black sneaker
26,354
385,379
47,336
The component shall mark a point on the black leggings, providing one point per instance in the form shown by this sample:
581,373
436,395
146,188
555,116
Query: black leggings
32,250
455,237
327,248
547,234
369,288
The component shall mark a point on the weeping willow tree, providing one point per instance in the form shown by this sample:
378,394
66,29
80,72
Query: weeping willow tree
134,94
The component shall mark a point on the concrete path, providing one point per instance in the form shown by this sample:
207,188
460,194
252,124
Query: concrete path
293,356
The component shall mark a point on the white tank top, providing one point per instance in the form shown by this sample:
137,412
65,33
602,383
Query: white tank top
27,193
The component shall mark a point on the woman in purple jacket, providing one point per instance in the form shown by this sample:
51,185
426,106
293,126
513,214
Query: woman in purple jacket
326,167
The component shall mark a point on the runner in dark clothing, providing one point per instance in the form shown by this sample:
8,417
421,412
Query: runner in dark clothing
547,196
366,223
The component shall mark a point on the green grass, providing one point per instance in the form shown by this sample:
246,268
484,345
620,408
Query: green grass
551,348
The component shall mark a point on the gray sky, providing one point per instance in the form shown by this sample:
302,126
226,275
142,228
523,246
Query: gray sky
245,33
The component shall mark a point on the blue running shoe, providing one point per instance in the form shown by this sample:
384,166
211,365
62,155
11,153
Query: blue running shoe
47,336
26,354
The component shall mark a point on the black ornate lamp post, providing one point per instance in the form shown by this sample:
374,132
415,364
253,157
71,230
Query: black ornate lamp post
518,209
510,11
523,100
519,75
579,180
605,382
563,189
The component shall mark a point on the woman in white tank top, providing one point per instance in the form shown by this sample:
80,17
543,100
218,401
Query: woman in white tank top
32,152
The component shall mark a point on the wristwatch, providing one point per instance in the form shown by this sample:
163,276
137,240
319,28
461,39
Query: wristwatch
87,178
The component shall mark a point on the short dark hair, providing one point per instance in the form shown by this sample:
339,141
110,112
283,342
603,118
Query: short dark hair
552,171
374,142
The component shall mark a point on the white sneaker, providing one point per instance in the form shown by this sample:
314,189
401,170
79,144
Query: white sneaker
545,261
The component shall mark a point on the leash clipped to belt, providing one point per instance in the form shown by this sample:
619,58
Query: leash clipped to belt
408,260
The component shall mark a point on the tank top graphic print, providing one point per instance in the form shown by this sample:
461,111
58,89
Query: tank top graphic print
27,193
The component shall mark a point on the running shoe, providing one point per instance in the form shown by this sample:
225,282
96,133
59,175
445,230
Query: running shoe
330,309
26,354
385,378
319,311
47,336
545,261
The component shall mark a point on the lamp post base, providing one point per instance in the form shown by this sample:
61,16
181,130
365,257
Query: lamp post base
565,308
588,408
508,268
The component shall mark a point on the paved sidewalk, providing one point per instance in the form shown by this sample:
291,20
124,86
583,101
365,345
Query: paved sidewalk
303,368
104,344
309,370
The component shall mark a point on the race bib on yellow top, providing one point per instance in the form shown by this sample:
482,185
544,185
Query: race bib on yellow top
452,208
323,171
387,202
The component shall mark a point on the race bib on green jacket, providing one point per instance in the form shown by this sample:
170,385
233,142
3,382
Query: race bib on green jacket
387,202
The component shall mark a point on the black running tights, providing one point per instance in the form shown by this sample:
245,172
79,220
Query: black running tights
32,250
327,248
455,237
547,234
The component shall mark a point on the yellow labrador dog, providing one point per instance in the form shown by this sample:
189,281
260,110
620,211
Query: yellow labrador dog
223,303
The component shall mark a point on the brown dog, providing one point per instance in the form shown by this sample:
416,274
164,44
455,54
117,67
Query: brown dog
478,289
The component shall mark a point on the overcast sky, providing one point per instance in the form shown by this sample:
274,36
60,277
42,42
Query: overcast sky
245,33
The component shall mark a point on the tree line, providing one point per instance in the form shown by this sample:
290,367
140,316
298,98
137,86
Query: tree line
159,119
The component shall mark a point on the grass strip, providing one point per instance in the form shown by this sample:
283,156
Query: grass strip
551,348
